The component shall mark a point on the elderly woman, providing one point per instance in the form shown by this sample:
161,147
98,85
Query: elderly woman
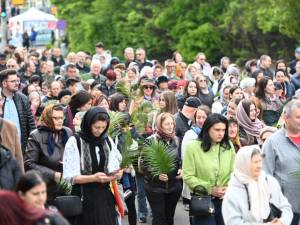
191,72
248,87
251,194
45,147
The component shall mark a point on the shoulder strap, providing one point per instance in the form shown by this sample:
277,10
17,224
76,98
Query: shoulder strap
1,123
219,167
108,142
78,142
248,198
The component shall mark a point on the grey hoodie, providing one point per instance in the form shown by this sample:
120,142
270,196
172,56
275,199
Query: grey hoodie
235,204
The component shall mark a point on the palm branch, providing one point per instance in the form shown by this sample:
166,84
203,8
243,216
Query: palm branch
123,88
65,186
115,120
129,150
140,118
158,158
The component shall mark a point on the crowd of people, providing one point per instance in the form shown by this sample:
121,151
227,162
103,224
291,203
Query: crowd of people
233,130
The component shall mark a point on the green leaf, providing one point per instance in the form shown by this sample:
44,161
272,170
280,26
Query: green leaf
158,158
140,116
65,186
129,150
114,126
123,89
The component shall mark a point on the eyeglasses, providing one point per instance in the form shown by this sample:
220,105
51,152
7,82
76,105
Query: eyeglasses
149,87
58,118
13,81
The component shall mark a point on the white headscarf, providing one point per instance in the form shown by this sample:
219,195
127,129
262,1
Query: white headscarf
257,189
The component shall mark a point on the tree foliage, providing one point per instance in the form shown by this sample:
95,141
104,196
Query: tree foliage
237,28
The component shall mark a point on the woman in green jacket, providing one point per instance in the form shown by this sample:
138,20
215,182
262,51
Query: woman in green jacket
207,165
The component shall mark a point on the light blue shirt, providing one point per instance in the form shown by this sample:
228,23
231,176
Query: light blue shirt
11,114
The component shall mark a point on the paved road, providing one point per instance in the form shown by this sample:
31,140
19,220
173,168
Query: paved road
181,217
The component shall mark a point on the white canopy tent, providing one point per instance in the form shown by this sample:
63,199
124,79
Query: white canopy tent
32,18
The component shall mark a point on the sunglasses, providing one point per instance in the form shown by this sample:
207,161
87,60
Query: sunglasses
149,87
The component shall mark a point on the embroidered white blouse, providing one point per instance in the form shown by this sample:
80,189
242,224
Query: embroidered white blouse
71,159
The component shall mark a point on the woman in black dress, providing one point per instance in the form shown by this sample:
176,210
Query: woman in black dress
90,163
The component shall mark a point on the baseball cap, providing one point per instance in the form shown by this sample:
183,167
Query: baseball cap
193,102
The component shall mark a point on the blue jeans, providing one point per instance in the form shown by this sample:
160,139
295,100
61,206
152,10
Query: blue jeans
214,219
141,197
296,218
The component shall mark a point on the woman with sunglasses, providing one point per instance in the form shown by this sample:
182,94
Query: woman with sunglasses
147,92
45,147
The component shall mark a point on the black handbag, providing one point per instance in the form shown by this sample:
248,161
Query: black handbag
201,206
274,213
69,205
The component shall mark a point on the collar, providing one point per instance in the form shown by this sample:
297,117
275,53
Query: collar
185,119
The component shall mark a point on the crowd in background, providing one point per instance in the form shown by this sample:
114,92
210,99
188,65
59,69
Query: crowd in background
220,121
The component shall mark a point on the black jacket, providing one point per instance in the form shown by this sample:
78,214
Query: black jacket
106,90
58,62
292,66
183,124
153,184
268,72
37,157
25,117
9,169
